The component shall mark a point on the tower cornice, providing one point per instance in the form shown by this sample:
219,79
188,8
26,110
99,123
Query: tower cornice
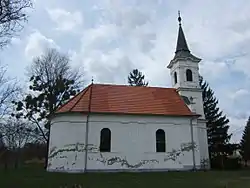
189,89
190,57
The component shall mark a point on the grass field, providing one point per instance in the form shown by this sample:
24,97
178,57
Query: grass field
38,178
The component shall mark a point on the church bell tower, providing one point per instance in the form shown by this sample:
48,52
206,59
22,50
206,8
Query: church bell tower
184,71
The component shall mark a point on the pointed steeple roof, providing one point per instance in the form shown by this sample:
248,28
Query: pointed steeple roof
182,51
181,41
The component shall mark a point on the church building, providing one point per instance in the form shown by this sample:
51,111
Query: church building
115,128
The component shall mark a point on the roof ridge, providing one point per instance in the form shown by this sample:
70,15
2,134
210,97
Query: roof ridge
72,99
123,85
83,93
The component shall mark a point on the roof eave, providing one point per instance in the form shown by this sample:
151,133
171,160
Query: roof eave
119,113
56,114
196,115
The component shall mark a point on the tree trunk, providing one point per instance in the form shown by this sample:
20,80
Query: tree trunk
47,150
5,165
16,163
16,159
5,160
222,162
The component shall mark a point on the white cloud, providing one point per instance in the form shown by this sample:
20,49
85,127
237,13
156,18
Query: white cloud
241,63
65,20
127,31
240,93
237,125
139,29
37,43
213,70
16,41
235,105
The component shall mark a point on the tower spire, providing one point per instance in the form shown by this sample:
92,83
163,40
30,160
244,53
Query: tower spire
181,41
182,52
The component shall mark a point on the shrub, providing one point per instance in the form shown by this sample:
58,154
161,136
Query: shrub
226,163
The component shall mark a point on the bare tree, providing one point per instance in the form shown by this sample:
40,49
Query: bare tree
15,134
12,16
53,82
8,92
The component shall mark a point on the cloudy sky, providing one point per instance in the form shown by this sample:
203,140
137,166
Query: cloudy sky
109,38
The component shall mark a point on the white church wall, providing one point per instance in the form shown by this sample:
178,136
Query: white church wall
133,143
203,146
67,135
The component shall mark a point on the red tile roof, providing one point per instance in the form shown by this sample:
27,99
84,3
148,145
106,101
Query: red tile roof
127,100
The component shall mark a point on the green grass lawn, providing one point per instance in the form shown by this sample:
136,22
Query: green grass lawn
37,177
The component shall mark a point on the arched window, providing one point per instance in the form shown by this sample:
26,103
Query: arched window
105,141
160,141
189,75
175,77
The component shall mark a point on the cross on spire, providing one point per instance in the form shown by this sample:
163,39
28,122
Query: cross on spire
179,17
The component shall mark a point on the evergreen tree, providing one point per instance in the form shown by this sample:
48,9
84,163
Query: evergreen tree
217,123
136,78
245,142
